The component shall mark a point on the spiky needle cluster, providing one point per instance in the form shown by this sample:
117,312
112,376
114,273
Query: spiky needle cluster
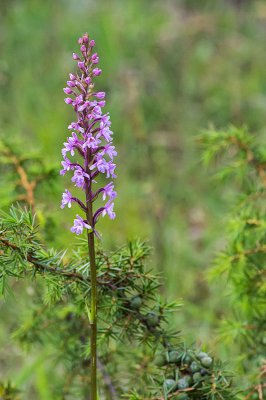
91,140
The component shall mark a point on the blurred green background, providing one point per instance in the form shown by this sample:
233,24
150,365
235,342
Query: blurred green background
170,69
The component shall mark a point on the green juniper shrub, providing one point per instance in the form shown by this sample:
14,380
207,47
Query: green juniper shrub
160,364
241,156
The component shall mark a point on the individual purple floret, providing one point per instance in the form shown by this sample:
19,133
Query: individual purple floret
108,190
90,144
109,210
66,199
79,225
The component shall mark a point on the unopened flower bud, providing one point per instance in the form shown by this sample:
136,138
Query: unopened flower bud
96,71
95,58
100,95
85,38
68,100
68,90
81,65
71,83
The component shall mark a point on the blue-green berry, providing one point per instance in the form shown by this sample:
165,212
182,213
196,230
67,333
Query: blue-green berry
194,366
135,303
169,385
197,377
174,356
201,355
152,319
160,360
206,362
182,383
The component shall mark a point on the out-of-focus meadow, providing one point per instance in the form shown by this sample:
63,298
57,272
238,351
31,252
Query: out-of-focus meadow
170,69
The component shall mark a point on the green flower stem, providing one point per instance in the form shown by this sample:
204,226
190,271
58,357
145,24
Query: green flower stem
93,321
93,276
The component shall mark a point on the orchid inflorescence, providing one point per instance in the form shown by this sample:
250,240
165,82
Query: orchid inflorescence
91,140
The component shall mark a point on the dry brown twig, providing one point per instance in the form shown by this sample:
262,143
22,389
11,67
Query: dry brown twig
24,181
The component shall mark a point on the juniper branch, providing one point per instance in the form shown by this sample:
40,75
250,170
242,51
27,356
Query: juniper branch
43,267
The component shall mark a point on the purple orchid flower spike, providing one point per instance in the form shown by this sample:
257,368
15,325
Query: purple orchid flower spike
89,151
